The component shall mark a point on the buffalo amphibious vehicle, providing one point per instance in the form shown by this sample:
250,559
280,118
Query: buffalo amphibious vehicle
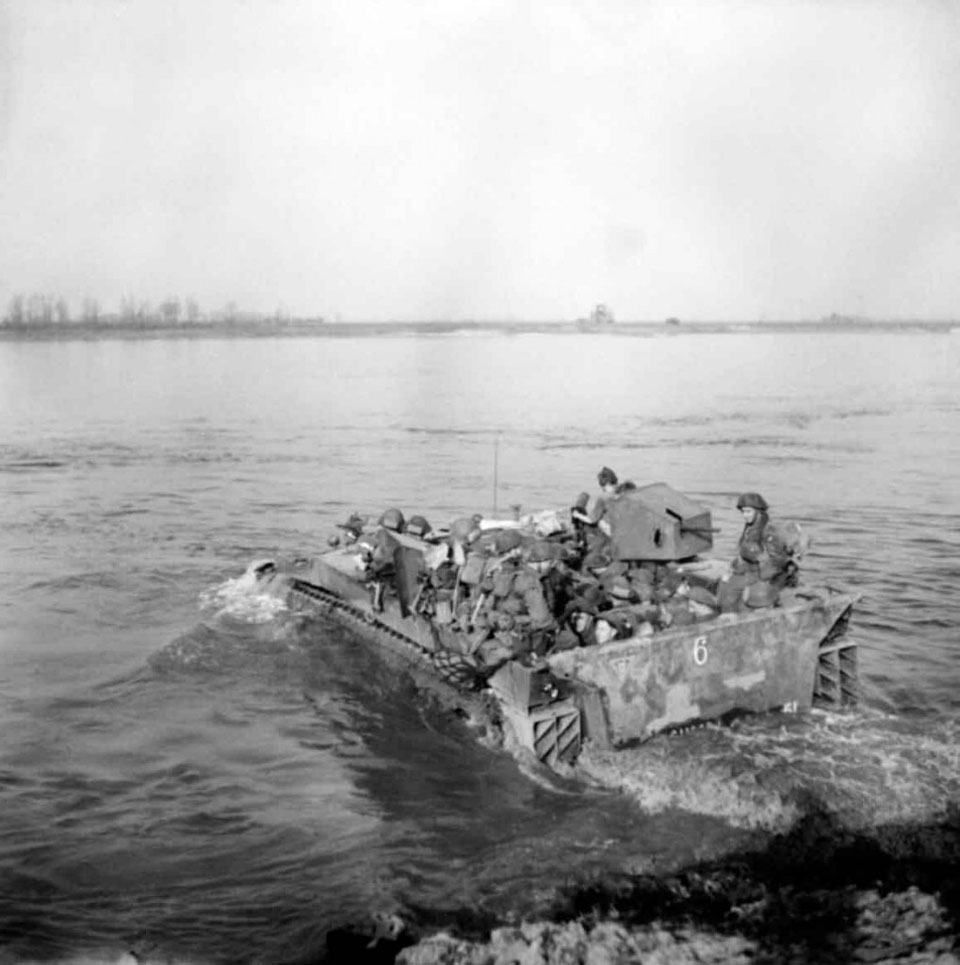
633,646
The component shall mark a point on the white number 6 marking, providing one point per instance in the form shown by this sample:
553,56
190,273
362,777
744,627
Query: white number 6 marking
700,651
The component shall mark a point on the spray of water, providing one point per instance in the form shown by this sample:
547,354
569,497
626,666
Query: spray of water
241,598
764,772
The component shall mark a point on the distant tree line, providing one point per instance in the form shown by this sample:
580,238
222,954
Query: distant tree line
39,309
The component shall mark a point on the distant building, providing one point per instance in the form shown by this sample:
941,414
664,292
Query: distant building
601,315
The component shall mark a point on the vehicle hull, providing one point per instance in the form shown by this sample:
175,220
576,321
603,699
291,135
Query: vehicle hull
772,659
778,658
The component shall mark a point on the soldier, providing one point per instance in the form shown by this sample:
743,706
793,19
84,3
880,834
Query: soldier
353,530
762,557
578,516
761,552
379,563
549,561
464,532
393,520
609,489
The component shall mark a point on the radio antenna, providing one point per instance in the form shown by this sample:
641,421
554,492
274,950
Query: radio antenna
496,472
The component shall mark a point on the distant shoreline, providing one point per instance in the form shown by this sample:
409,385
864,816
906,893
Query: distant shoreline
269,329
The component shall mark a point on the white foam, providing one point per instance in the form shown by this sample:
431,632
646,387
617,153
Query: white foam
660,780
243,599
869,768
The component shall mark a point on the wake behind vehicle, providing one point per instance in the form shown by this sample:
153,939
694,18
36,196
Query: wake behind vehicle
557,636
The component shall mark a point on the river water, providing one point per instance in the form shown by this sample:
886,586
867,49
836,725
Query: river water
188,774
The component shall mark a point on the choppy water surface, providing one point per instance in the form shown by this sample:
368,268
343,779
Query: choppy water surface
186,772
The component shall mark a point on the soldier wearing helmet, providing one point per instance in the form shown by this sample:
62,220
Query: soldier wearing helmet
379,564
762,557
609,489
514,600
392,519
753,508
353,529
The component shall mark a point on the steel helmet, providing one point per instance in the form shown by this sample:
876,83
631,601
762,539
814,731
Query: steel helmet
418,526
596,560
621,589
507,540
392,519
353,525
465,529
761,595
753,501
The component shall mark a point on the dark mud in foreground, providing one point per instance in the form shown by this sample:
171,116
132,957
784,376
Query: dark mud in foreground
818,893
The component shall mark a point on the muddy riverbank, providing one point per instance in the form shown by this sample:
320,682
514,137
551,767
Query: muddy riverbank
817,893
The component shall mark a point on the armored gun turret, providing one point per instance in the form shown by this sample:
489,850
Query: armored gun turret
658,523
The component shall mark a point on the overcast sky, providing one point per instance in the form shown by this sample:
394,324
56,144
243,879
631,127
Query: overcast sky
380,159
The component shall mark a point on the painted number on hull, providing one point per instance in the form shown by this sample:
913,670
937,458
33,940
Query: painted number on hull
700,651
